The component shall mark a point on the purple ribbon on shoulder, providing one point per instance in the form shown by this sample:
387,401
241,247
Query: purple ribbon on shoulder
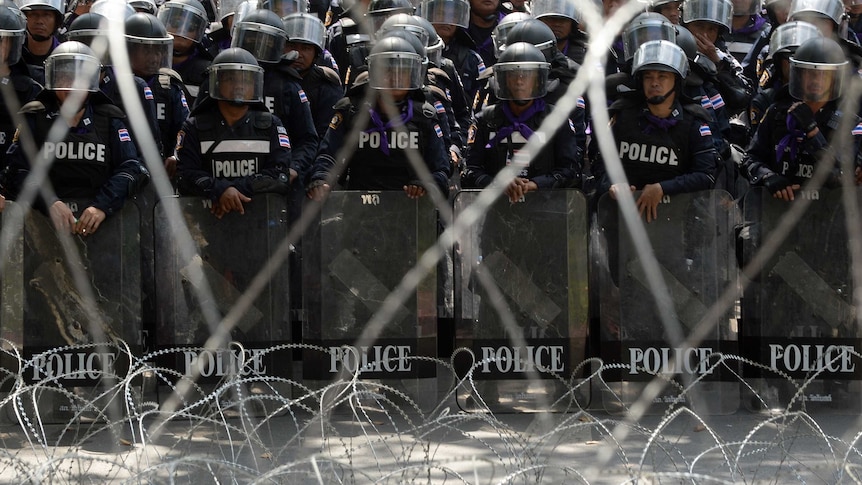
790,140
662,123
382,128
517,123
752,27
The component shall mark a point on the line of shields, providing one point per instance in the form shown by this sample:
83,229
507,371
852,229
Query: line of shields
159,296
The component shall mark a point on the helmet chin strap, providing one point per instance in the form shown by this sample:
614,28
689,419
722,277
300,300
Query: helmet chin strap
521,102
37,37
660,99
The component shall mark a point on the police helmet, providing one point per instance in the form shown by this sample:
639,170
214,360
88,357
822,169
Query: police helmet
305,28
235,76
534,32
831,9
719,12
435,46
226,8
12,31
646,26
72,66
746,8
184,18
393,64
283,8
501,31
448,12
403,21
55,6
149,44
555,8
113,10
685,39
414,42
521,73
787,37
92,29
818,70
145,6
262,33
380,10
660,55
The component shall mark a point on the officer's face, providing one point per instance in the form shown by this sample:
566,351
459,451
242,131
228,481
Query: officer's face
305,52
700,27
147,59
658,83
561,26
235,85
670,11
5,48
483,8
41,22
521,84
741,6
445,31
182,45
817,84
780,9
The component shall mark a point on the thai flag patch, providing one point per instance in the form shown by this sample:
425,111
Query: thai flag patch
124,134
302,97
580,103
705,102
284,141
148,93
857,130
572,126
183,100
439,107
438,131
482,67
705,131
717,101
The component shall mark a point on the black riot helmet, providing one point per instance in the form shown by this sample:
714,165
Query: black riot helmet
818,70
448,12
149,44
534,32
521,73
12,29
260,32
393,64
305,28
660,55
415,44
787,37
235,76
92,29
718,12
72,66
407,22
501,31
185,18
644,27
435,46
380,10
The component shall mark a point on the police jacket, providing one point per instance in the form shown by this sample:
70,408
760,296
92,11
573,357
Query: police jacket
108,85
323,89
25,89
285,98
347,44
703,90
380,160
193,72
96,160
462,52
680,157
213,156
778,146
172,108
557,164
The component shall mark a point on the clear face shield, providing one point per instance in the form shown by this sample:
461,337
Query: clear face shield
306,28
237,83
184,21
789,36
714,11
148,56
226,8
746,8
817,83
555,8
646,30
521,81
11,42
266,43
501,31
286,7
834,9
660,55
395,71
72,72
449,12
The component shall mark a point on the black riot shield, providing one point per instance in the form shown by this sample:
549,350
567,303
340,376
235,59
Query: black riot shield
521,303
73,308
354,257
692,241
211,278
799,323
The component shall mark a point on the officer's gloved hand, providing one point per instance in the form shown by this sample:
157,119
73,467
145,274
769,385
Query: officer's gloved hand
804,117
776,183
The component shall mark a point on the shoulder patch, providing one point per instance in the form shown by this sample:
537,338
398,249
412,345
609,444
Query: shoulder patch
471,134
704,130
181,137
438,130
283,140
336,120
303,98
124,135
148,93
857,130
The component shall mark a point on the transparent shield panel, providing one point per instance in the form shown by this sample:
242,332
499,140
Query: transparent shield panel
72,351
530,259
692,241
228,254
799,322
361,248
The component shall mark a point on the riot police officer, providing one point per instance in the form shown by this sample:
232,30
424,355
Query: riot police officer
44,19
17,87
400,126
563,18
232,147
449,19
663,140
95,160
797,130
668,8
501,131
186,21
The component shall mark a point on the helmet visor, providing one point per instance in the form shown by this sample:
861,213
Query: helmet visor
644,31
660,55
305,28
714,11
266,43
833,9
555,8
72,72
787,37
150,56
238,83
394,71
11,42
817,82
449,12
521,81
184,21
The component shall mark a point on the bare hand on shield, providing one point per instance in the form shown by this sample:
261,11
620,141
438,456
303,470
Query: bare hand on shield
231,200
90,221
649,200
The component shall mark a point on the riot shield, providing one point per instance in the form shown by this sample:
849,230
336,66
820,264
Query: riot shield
74,311
799,323
692,241
521,303
357,253
214,275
